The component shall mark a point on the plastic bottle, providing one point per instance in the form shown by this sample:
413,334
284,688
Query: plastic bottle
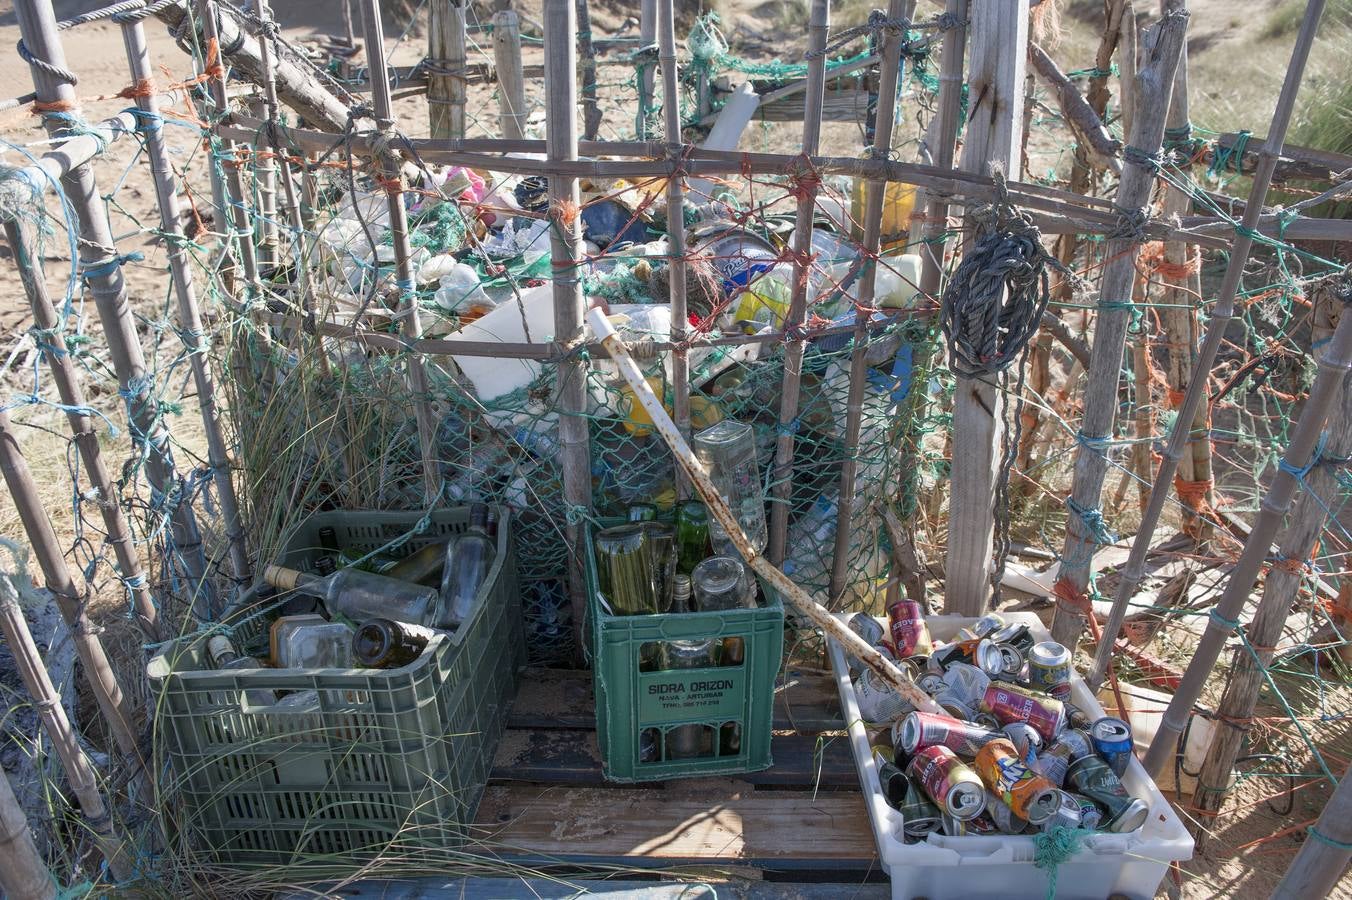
468,558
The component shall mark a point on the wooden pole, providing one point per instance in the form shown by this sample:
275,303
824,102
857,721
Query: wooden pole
264,186
69,598
1223,620
807,184
647,36
47,700
873,219
676,262
511,84
83,432
1249,671
1322,860
718,508
1221,315
591,108
102,270
565,243
189,314
1084,529
995,122
446,79
23,873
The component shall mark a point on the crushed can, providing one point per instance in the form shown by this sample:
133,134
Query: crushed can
879,704
1009,703
1053,762
1091,816
949,782
1025,739
1028,794
1091,777
981,826
1112,741
1004,818
919,814
1067,814
920,730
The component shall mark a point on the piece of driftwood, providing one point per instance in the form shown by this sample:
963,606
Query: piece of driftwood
1077,112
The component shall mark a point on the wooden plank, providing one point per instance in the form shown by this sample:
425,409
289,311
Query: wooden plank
566,888
567,756
643,827
805,701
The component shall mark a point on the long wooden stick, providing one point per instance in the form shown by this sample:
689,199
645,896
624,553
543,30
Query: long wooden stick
511,85
718,508
591,107
873,219
403,254
446,50
994,139
676,262
1322,860
79,770
189,314
23,873
565,244
1221,315
806,190
1084,529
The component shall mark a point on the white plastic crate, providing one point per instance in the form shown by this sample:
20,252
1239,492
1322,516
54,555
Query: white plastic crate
1001,867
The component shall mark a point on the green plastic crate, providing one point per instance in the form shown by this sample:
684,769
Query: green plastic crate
641,714
391,752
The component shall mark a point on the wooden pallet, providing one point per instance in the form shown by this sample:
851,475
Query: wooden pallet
547,803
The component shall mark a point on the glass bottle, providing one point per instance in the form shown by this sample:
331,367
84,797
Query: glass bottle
422,566
662,546
642,512
310,642
386,644
692,536
468,558
719,583
680,600
359,595
728,451
624,570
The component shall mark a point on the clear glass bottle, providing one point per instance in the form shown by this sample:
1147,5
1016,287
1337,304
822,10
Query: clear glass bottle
624,570
719,583
422,566
468,559
310,642
728,451
359,595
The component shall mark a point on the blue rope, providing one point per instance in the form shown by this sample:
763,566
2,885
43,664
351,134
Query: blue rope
1053,848
1325,839
1092,517
110,265
146,121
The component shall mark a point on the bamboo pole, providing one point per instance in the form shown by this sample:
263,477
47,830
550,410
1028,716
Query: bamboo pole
888,73
806,189
69,598
718,508
1084,528
102,270
23,873
410,327
1221,315
565,243
189,313
1249,671
591,108
446,79
47,700
265,188
83,434
993,141
1301,453
1322,860
676,261
511,85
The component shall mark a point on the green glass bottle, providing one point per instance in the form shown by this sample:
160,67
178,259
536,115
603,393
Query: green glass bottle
692,536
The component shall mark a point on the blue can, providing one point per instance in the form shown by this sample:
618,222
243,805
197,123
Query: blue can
1112,741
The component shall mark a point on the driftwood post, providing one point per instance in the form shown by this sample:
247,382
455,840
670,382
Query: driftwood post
718,508
189,315
446,76
1223,620
102,270
1221,315
565,243
676,262
411,326
949,115
507,65
1085,529
591,107
23,873
83,433
794,347
79,770
873,220
70,599
995,85
647,35
1322,859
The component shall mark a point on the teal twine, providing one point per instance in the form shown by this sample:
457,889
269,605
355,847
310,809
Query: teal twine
110,265
1325,839
1229,157
1092,517
1137,314
1231,624
1055,847
1098,445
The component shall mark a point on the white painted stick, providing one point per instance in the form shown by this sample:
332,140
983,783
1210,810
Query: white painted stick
685,457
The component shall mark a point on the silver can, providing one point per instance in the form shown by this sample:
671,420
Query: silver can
1049,669
1003,817
988,624
869,629
931,683
1025,739
1067,814
879,703
1077,742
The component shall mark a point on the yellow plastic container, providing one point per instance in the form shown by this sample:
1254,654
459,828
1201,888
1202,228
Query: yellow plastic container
898,204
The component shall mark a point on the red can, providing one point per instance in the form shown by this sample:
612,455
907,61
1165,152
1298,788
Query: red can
921,729
949,782
1012,704
910,634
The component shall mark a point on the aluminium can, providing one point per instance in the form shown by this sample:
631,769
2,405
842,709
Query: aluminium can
988,624
891,780
1112,741
1014,633
910,634
980,826
949,782
1091,816
1025,739
1076,718
1009,703
1067,813
1053,762
1049,669
958,651
1004,818
1091,777
1078,742
919,814
879,703
869,629
922,729
1028,794
932,683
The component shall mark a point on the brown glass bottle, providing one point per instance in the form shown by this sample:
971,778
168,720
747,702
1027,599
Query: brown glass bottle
386,644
